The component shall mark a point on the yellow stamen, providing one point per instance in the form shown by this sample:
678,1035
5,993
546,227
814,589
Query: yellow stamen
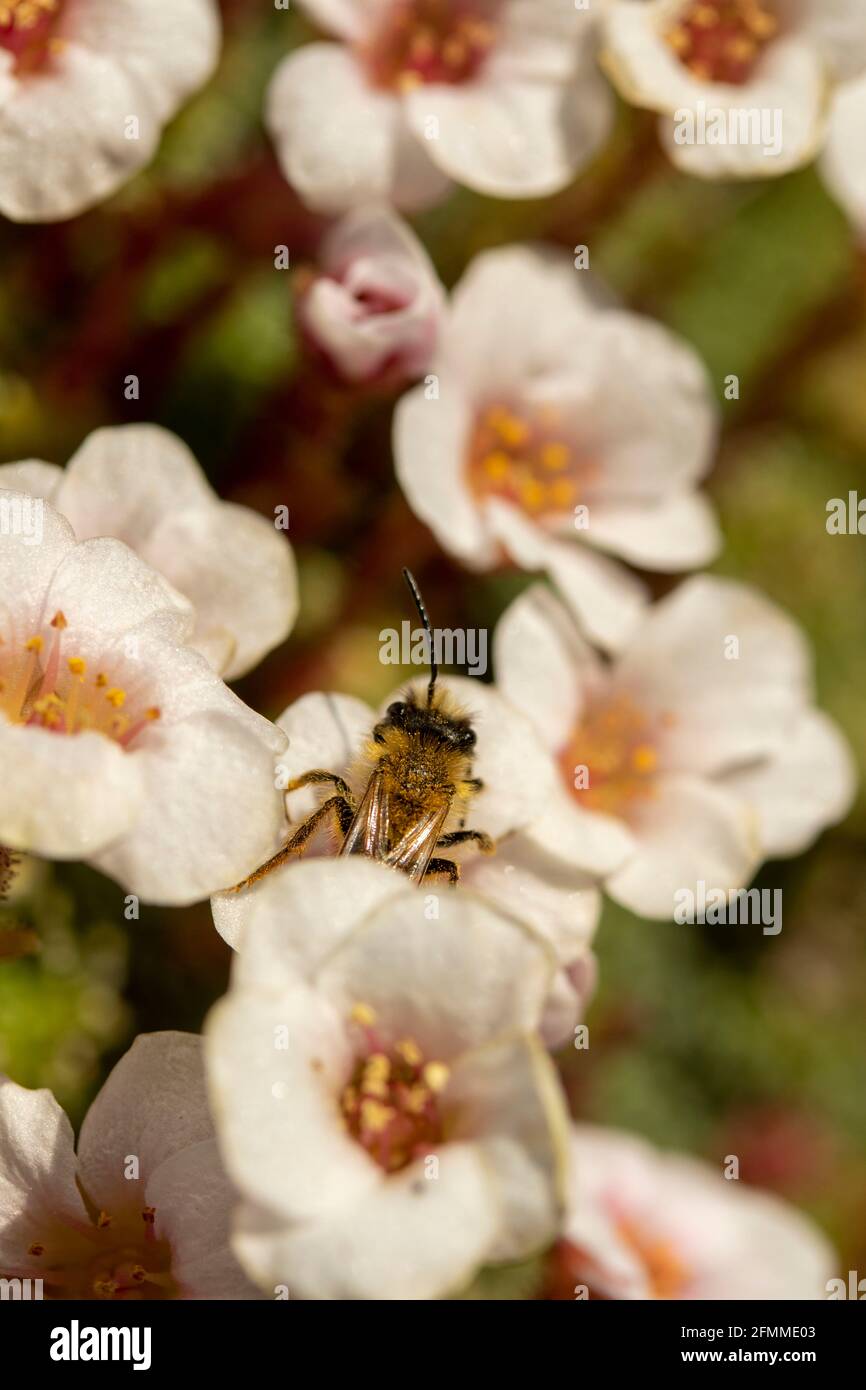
436,1075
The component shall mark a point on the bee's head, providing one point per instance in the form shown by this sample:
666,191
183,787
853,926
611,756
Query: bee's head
439,721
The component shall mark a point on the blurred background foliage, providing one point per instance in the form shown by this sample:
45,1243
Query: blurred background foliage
718,1040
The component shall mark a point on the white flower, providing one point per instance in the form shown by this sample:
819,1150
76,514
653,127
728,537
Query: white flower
383,1103
648,1224
141,484
557,422
377,304
843,163
331,732
119,744
690,758
143,1210
86,87
729,61
500,95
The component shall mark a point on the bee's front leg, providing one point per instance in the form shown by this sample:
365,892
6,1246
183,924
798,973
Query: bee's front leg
463,837
318,777
336,809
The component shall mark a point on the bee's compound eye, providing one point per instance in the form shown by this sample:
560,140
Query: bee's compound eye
469,739
395,710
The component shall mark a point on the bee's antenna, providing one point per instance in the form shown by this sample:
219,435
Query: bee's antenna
422,613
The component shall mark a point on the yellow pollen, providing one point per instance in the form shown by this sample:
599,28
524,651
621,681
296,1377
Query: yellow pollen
77,665
101,680
363,1014
562,493
555,456
25,14
417,1099
138,1273
36,1249
497,466
375,1117
511,429
410,1052
153,713
644,758
59,621
34,644
436,1075
104,1288
115,696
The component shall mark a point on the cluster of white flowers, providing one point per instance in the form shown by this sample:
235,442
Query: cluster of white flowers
386,1115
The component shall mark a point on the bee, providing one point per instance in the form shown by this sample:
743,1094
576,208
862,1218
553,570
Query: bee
417,773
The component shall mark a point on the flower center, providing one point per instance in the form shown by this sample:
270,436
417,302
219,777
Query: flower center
391,1102
98,1261
41,686
422,41
523,458
26,27
722,40
665,1270
611,759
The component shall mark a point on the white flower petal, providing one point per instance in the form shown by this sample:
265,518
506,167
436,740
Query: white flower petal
65,797
37,1173
729,667
510,138
607,601
210,813
336,136
170,47
153,1106
349,19
411,1237
451,983
678,533
809,784
239,572
508,1099
277,1062
287,924
543,665
27,563
691,832
587,840
562,906
430,459
645,407
63,136
32,476
515,316
124,479
843,164
105,592
194,1203
732,1241
837,29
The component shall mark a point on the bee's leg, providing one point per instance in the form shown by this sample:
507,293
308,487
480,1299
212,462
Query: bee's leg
462,837
445,867
317,777
336,808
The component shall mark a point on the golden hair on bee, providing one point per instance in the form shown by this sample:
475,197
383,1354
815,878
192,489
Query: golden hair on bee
417,772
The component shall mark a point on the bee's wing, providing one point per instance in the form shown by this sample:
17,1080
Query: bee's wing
370,830
414,851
